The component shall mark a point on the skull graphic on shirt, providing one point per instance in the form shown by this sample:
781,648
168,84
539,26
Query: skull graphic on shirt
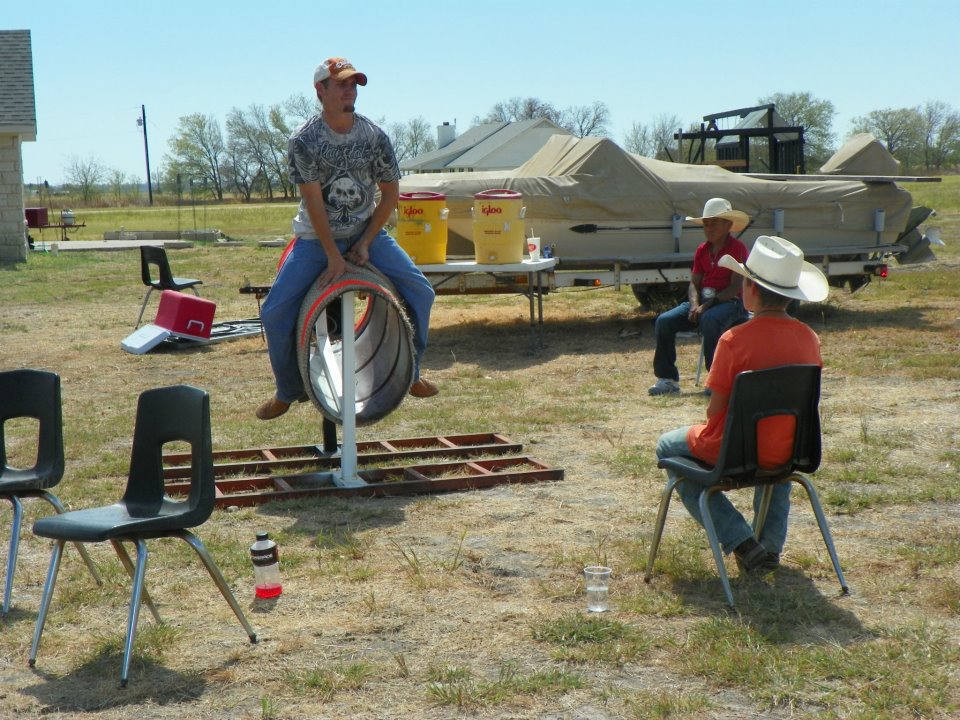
345,195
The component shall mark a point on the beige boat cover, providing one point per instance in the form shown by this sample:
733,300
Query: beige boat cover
592,180
862,154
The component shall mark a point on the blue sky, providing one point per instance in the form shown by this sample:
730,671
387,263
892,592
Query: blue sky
96,63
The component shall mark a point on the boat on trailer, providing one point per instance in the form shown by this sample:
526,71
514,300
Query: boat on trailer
599,207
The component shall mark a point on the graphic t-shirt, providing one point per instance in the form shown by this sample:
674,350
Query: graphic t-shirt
348,168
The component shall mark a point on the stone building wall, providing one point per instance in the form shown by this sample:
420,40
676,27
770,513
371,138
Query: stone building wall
13,246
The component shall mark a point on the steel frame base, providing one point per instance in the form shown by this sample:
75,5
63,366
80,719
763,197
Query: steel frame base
408,466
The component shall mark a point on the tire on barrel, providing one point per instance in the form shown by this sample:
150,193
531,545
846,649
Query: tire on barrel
383,345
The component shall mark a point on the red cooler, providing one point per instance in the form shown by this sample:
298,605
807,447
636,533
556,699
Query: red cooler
188,316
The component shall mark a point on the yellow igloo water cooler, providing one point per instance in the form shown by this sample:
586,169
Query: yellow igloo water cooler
422,226
498,237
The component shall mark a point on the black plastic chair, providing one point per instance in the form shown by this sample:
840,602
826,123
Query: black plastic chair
150,256
32,394
171,414
787,390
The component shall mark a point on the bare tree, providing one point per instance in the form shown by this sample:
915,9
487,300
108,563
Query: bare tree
301,108
898,129
584,120
279,130
639,140
656,140
117,179
241,168
85,175
939,126
198,151
816,117
253,143
518,108
411,138
661,134
262,132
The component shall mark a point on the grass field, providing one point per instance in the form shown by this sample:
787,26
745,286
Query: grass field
256,221
471,604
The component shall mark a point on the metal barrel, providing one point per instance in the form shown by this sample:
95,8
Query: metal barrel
383,346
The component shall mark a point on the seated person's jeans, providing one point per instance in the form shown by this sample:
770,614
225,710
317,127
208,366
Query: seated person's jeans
713,323
306,261
732,528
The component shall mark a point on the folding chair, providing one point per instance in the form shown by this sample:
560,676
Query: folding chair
156,256
171,414
787,390
32,394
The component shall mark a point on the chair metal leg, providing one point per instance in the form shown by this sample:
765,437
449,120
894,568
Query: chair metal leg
658,528
131,571
217,576
45,601
699,364
15,543
143,307
134,609
760,519
824,528
14,548
714,542
58,506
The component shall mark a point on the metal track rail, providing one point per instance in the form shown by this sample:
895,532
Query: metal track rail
453,462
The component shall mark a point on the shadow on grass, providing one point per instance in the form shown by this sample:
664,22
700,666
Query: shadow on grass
784,606
512,345
826,317
17,614
340,518
95,685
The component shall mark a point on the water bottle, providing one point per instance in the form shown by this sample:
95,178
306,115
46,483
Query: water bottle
266,567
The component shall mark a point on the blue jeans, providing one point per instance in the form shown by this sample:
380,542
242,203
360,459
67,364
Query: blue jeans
306,261
732,528
713,323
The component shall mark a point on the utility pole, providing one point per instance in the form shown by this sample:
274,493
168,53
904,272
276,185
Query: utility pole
142,121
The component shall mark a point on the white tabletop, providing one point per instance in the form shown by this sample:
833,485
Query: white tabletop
465,266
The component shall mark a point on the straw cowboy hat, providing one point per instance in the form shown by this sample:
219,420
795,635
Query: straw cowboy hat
778,265
720,208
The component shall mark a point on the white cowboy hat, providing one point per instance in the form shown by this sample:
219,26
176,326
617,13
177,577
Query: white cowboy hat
778,265
720,208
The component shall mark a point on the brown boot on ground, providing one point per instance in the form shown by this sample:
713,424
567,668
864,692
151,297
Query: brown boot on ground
272,408
423,388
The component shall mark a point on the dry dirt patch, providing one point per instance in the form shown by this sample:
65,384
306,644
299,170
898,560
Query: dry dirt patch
382,597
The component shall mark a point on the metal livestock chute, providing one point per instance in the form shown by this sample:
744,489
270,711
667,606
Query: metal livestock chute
382,346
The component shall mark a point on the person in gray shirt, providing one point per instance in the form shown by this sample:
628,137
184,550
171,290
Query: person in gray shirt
338,160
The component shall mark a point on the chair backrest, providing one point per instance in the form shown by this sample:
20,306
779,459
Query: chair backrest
152,255
757,394
34,394
179,413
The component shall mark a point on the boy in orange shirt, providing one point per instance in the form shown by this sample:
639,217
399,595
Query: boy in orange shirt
775,273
